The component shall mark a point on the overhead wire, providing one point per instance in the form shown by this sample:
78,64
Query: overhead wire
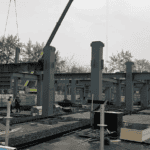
16,19
7,18
107,13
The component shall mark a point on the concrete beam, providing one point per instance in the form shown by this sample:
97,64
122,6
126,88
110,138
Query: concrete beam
18,75
20,67
141,76
109,80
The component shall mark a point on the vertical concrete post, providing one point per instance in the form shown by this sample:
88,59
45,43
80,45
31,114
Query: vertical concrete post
84,90
149,97
129,87
48,81
73,90
96,69
125,95
106,93
39,91
65,94
81,95
144,96
109,94
16,79
118,94
114,94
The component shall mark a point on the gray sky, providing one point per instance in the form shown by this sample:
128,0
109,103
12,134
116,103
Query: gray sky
128,26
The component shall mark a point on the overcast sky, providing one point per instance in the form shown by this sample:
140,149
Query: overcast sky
128,26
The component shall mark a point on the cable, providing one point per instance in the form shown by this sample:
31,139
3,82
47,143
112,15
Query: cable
16,19
7,18
107,13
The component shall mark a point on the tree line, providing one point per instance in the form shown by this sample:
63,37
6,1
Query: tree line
32,53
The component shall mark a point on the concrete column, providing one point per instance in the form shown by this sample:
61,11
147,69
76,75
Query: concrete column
65,94
73,90
118,94
125,96
84,90
107,94
39,91
69,91
114,94
96,69
129,87
144,96
149,97
48,81
16,79
81,95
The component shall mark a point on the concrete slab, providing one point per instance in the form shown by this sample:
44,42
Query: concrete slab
30,132
137,118
85,115
73,142
145,111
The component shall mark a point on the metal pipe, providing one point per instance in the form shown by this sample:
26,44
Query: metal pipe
102,127
58,23
7,123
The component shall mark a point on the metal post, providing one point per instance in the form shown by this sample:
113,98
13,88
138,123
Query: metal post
102,127
7,122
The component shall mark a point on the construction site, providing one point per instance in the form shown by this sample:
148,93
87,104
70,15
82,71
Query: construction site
96,111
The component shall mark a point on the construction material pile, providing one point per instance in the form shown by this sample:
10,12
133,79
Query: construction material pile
94,135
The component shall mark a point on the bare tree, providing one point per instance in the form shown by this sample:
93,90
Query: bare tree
7,49
117,63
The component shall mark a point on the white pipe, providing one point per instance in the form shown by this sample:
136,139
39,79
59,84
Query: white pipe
102,127
7,123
